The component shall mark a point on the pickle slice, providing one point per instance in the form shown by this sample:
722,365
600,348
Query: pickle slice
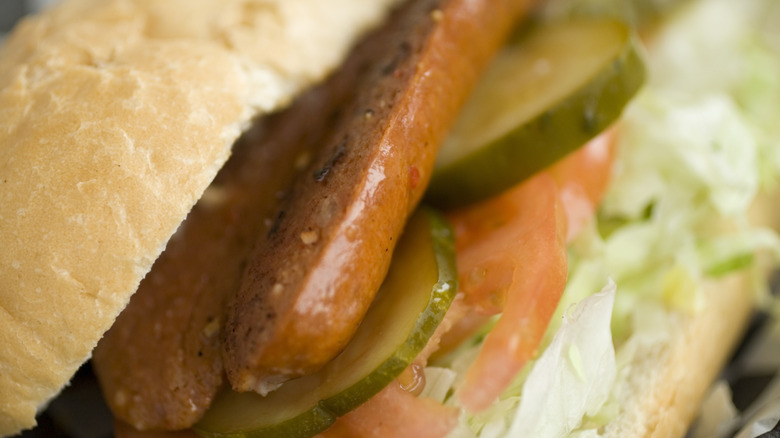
411,302
641,15
545,95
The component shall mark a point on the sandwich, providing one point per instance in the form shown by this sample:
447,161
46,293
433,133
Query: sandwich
120,117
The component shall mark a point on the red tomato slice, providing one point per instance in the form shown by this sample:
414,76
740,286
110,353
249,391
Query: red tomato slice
583,177
123,430
395,413
511,258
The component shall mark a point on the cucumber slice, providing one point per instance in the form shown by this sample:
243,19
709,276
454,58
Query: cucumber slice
544,96
411,302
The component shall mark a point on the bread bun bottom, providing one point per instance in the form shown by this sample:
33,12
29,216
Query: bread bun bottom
668,382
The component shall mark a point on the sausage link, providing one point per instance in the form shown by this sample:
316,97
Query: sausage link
311,278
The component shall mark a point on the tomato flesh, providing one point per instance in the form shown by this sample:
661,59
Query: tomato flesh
583,177
512,260
394,412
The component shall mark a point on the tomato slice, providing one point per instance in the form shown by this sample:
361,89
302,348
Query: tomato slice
394,412
123,430
583,177
512,259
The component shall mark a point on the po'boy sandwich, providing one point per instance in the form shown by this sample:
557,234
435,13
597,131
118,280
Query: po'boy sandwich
376,259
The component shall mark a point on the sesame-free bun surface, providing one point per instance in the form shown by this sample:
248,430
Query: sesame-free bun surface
114,117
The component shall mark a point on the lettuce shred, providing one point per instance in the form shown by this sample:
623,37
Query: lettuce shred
696,146
573,375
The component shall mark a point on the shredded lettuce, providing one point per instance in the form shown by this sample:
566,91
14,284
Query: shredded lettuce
438,383
700,144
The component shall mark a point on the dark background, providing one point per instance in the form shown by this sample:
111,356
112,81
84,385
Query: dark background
10,11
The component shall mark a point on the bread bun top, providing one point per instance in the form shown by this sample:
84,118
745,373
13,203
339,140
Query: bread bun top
114,118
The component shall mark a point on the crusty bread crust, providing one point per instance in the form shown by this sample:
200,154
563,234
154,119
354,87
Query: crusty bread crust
114,118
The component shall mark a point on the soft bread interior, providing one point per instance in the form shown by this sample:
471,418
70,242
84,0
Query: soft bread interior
114,117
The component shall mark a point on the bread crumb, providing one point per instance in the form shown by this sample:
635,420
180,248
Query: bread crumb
211,328
302,160
309,237
120,398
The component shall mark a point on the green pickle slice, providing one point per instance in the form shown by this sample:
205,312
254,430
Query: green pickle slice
545,95
642,15
410,304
